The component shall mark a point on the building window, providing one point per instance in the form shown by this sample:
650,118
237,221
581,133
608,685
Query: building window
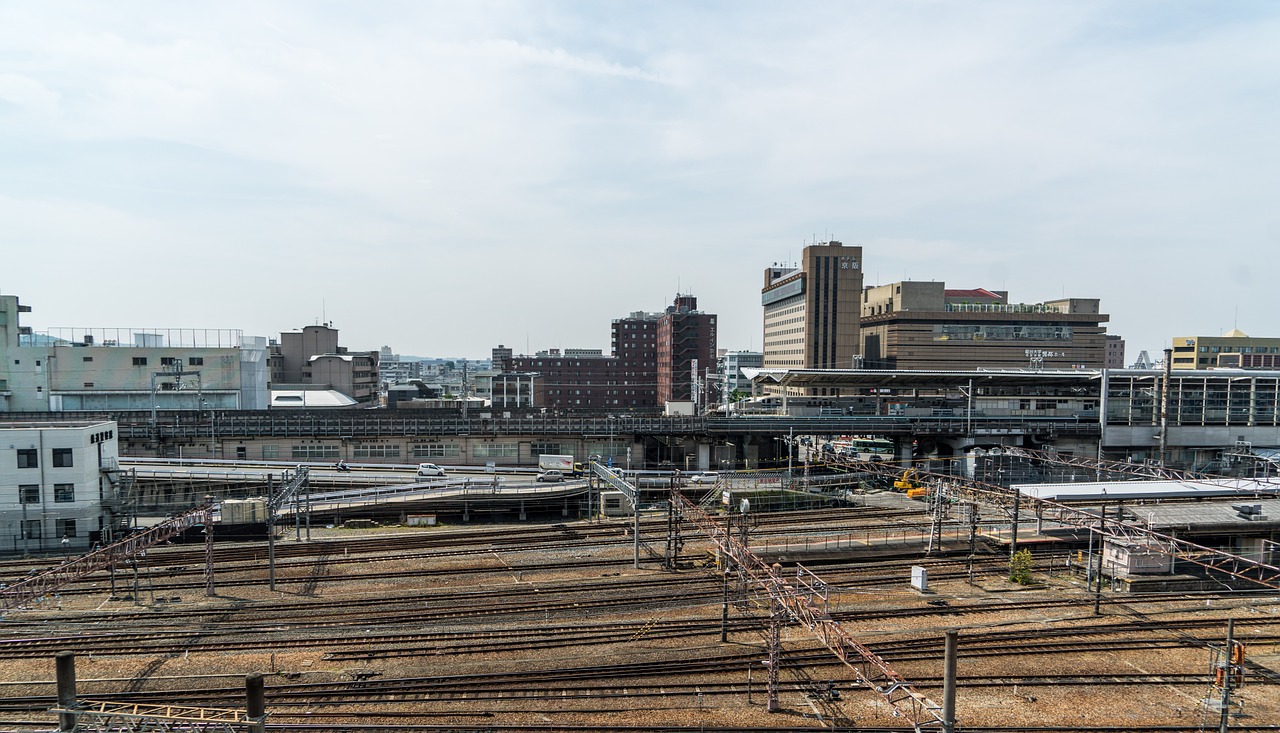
195,361
139,361
27,458
88,358
165,361
64,492
314,452
88,384
376,451
31,529
495,450
29,494
65,527
62,458
270,452
437,450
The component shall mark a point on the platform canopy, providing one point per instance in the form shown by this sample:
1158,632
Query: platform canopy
1100,491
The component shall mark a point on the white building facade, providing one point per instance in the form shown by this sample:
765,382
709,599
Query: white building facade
59,486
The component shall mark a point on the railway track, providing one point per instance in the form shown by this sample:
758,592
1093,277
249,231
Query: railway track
532,626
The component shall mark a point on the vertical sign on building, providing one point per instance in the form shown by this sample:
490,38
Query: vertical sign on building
693,383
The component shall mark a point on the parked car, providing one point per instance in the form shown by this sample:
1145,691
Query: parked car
551,475
706,477
429,469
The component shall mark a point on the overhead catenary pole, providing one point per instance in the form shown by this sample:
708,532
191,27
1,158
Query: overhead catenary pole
1013,532
271,531
208,550
1228,677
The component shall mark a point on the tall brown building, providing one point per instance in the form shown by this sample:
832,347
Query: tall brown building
811,310
635,346
686,347
586,379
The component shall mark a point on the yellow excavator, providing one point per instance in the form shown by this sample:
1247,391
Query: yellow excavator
908,484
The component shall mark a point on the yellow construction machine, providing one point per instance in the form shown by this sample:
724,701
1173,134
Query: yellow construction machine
908,484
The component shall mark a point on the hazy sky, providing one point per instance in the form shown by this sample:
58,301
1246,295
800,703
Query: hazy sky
444,177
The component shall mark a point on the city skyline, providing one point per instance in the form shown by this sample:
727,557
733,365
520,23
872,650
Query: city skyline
443,178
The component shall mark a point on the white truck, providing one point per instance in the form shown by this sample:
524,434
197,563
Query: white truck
549,462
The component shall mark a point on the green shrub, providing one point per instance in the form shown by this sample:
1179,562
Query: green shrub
1020,566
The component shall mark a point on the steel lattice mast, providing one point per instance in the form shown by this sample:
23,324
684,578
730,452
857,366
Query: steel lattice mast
804,599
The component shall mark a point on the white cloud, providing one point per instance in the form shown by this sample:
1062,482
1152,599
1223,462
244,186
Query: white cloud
428,168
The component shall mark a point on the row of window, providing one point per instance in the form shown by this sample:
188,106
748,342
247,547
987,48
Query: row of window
30,458
33,529
62,493
164,360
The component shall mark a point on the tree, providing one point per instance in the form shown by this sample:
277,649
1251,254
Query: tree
1020,566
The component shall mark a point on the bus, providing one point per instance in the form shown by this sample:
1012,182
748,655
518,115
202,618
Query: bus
864,449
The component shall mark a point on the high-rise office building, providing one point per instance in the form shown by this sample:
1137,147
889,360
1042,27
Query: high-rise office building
811,309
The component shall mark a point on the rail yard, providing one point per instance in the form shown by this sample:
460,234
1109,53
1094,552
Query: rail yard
540,626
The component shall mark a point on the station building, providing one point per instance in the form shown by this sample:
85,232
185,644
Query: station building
924,325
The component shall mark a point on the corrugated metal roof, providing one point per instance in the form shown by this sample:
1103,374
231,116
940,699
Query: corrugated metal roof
1129,490
1208,515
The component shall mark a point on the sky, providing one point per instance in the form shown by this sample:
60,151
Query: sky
444,177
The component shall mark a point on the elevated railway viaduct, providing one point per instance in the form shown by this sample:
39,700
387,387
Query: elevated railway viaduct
687,443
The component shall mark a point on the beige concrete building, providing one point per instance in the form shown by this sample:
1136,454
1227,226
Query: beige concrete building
312,358
811,310
103,369
924,325
1235,349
